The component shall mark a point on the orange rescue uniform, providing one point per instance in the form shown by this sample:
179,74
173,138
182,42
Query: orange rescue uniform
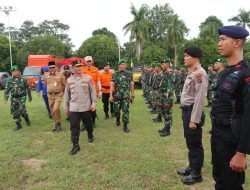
105,79
94,73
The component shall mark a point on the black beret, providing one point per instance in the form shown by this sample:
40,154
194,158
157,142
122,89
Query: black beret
66,67
52,64
234,31
194,51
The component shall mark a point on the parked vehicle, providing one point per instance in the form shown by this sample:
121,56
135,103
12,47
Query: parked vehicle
137,74
4,76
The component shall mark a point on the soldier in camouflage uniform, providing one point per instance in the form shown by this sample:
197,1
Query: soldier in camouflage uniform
156,92
166,98
151,91
179,82
19,88
211,75
219,66
122,85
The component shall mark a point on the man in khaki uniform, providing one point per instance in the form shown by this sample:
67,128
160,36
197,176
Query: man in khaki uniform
79,102
192,104
55,83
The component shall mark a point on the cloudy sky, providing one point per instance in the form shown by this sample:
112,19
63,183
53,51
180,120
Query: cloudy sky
85,16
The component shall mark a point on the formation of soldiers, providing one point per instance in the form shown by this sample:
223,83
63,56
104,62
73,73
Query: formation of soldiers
159,82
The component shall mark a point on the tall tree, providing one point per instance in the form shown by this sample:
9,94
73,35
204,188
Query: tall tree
138,27
28,30
176,32
242,19
104,31
209,28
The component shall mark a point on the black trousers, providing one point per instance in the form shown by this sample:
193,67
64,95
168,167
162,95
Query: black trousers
75,118
222,153
193,141
105,101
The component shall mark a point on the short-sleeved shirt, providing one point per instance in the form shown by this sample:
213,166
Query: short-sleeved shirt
105,79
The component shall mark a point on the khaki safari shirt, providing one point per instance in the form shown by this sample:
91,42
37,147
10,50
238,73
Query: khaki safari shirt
55,82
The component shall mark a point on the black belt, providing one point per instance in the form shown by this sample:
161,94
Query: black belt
17,95
53,93
107,87
185,107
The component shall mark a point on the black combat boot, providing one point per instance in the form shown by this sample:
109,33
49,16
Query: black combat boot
184,171
74,149
117,120
55,128
27,121
18,126
165,132
106,115
161,130
125,128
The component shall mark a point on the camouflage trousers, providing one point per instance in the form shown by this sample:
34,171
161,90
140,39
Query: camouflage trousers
121,102
18,108
166,100
177,93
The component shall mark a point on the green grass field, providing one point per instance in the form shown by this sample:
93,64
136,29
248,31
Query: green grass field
37,158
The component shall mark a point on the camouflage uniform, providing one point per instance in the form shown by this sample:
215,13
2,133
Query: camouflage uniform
211,76
19,88
122,81
178,85
166,97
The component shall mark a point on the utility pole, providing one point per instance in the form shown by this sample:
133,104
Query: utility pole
7,10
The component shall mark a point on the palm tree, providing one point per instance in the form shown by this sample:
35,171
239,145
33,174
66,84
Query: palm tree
209,28
175,34
138,27
242,19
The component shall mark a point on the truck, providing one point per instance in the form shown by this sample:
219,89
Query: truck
32,71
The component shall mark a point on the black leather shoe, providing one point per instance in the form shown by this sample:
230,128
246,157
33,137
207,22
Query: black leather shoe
184,171
91,139
59,127
27,121
18,126
192,179
55,129
74,150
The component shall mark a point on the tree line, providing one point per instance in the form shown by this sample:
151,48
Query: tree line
155,33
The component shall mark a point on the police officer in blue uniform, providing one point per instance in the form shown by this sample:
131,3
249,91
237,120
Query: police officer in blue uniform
230,114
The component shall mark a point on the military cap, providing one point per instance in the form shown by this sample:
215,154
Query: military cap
221,60
158,65
52,64
194,51
122,61
233,31
66,67
14,67
167,60
45,68
76,63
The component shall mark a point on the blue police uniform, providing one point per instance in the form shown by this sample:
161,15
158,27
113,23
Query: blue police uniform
230,117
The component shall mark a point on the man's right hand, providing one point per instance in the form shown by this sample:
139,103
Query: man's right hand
38,93
111,99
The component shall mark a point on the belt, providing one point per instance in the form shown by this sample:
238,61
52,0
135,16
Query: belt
107,87
53,93
185,107
17,95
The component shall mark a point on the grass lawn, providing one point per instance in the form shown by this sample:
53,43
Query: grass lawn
37,158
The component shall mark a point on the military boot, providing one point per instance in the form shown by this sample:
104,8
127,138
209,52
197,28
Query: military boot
74,149
125,128
117,120
165,132
90,138
106,115
27,121
161,130
55,128
18,126
59,127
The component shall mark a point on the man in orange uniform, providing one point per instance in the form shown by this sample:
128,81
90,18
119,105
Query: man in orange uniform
93,72
105,79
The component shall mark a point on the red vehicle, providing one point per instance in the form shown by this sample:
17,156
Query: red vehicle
35,63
